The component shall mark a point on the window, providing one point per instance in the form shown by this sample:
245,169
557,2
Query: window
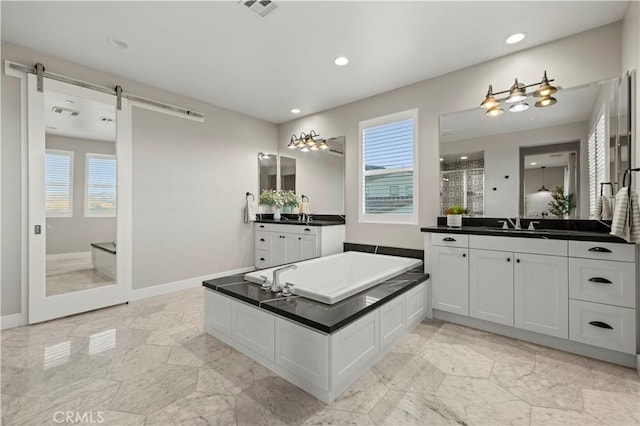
597,149
58,183
388,172
100,200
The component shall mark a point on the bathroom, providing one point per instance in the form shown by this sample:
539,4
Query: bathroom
186,182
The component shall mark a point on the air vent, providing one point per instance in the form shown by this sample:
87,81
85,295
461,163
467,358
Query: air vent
106,120
65,111
262,8
555,155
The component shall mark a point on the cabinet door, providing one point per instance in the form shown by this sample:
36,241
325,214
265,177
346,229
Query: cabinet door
308,246
450,275
278,249
292,250
491,285
541,286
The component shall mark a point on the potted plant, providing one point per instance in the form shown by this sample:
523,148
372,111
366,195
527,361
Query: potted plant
560,204
290,201
272,198
454,216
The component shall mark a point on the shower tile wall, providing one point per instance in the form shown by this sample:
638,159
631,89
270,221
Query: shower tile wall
453,190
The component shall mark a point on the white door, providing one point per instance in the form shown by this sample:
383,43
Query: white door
491,285
308,246
69,129
541,287
292,248
450,277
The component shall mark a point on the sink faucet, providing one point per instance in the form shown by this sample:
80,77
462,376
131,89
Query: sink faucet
275,283
515,225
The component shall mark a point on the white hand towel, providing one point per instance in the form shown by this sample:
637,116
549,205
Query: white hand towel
620,223
250,211
634,232
598,207
607,211
304,207
612,202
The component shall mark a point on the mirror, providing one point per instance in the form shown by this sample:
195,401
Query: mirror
268,171
287,174
557,137
80,193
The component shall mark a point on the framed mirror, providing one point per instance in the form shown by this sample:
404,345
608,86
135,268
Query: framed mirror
268,171
287,174
580,141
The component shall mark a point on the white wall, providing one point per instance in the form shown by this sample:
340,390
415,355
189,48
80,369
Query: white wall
570,61
76,233
502,158
189,182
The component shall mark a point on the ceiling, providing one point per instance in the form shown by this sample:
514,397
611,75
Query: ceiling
94,120
223,54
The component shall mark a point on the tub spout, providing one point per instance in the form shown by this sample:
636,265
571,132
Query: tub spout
275,283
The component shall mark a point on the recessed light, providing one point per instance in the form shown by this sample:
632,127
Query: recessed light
69,101
515,38
341,61
295,111
441,159
532,164
464,158
117,43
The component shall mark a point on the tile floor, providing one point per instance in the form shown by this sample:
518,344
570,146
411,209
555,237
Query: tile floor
150,362
73,274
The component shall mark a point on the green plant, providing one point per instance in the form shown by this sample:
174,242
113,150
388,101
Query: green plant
290,198
560,204
272,197
456,210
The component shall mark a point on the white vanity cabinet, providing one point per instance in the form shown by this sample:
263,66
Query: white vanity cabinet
277,244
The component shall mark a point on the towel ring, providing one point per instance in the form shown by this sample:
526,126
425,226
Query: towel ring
250,195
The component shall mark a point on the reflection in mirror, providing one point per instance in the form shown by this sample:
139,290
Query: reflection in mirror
462,182
287,174
80,193
586,115
268,170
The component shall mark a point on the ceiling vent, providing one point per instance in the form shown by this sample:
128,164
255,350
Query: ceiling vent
106,120
65,111
259,7
555,155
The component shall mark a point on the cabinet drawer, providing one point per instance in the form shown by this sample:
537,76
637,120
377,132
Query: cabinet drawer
262,227
294,229
603,251
253,330
451,240
217,310
263,259
521,245
606,326
603,281
262,240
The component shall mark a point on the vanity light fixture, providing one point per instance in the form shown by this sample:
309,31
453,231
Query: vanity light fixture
323,145
517,96
292,142
307,142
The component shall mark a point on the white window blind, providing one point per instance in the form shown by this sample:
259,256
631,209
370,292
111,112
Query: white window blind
100,186
58,183
597,151
387,168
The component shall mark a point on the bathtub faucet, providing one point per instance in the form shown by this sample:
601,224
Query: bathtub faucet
275,283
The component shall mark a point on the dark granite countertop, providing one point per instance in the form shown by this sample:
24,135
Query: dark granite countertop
108,247
295,222
548,234
317,315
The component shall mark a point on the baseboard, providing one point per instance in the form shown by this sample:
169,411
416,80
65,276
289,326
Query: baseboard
12,321
160,289
63,256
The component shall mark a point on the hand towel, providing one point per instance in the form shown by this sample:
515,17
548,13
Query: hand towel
612,202
250,211
598,212
620,223
634,226
607,211
304,207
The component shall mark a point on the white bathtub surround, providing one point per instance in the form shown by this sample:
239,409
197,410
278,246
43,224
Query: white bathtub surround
333,278
204,380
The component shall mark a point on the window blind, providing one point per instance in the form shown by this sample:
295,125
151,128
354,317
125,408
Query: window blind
387,168
597,152
101,186
58,178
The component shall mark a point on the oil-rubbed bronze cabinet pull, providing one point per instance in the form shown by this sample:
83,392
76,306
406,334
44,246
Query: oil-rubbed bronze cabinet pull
600,280
601,325
262,240
448,239
600,249
262,259
464,254
307,229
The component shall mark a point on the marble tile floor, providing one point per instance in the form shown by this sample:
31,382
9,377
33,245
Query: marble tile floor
73,274
150,362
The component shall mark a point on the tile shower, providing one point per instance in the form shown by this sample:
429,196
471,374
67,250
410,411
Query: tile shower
462,184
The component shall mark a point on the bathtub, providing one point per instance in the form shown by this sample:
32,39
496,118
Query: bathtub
331,279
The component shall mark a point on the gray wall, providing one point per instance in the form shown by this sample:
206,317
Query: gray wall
553,176
189,226
75,234
11,200
570,61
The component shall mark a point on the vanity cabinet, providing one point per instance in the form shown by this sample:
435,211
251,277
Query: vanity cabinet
277,244
450,277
